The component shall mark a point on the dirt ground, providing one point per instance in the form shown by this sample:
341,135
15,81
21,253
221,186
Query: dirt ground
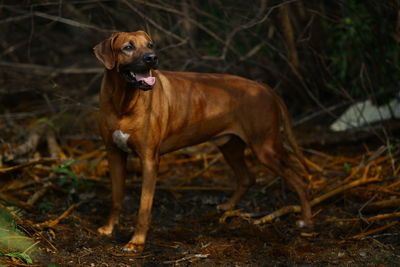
186,228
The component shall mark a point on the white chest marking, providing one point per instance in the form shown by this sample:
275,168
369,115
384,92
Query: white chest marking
121,140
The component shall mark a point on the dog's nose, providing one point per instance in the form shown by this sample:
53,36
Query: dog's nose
150,58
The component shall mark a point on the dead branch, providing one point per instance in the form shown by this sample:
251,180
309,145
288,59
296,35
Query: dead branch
14,201
151,21
38,194
132,255
189,19
71,22
278,213
364,164
52,223
40,130
15,263
383,216
313,165
377,230
315,201
24,184
46,70
27,164
289,35
211,163
189,257
194,188
16,18
389,203
343,188
369,219
237,213
52,144
30,144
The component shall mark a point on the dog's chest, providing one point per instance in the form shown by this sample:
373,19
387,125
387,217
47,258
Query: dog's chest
121,139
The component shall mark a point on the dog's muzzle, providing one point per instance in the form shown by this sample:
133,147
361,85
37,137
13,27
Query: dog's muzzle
138,74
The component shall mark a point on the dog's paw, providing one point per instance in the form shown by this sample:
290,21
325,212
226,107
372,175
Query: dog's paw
105,230
132,247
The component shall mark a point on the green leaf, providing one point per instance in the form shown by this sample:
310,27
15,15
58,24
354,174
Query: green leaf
20,255
347,167
68,163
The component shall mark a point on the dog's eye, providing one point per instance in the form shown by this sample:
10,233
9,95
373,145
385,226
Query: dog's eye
150,45
128,48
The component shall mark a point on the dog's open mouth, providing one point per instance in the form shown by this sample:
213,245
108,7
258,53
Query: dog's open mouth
141,80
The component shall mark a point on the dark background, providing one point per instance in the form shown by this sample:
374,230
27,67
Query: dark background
321,56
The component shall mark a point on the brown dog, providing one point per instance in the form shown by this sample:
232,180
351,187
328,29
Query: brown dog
151,112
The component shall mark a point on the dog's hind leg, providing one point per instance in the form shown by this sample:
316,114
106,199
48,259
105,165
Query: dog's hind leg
273,156
233,152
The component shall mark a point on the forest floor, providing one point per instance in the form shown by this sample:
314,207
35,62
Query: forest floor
60,204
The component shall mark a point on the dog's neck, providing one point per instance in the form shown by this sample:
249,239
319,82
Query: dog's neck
120,94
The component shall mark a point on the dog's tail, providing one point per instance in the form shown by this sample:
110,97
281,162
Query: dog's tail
290,136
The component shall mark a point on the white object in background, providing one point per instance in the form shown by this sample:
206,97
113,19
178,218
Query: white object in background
364,113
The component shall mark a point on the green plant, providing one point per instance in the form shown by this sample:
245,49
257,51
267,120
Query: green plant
13,243
25,257
363,56
391,148
347,168
66,173
68,178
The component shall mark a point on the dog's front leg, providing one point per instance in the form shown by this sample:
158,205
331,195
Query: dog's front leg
149,172
117,167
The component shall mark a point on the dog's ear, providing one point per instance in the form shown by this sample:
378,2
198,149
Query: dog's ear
105,53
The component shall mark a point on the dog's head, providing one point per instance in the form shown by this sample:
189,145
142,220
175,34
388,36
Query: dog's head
132,55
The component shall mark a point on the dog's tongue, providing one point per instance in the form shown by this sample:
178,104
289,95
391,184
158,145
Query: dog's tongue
146,78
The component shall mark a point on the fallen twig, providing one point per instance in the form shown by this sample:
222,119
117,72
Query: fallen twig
365,164
29,145
278,213
383,216
52,223
313,164
383,204
27,164
14,201
246,216
131,255
38,194
19,185
14,263
54,149
369,219
189,257
297,209
212,162
194,188
379,229
343,188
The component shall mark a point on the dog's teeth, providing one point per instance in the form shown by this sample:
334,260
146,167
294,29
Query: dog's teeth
133,74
